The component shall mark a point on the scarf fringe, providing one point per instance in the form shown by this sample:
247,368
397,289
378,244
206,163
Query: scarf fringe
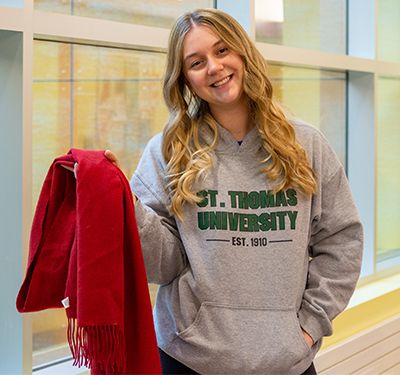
99,346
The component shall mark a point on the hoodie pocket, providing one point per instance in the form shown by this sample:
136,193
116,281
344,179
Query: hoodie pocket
242,339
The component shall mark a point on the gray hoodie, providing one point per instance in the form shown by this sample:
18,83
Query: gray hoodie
247,269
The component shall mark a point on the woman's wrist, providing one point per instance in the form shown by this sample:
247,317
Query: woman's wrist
308,338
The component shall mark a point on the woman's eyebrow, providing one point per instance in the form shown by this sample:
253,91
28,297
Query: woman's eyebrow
196,53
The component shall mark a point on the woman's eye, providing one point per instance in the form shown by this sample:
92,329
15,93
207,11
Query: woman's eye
222,50
194,64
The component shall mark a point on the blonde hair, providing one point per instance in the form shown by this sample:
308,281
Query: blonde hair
187,160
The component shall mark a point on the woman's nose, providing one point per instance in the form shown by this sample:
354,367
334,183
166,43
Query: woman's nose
214,65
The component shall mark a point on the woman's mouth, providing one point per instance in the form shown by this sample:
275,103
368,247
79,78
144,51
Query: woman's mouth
222,82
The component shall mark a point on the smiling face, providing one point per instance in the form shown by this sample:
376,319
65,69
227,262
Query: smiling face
211,70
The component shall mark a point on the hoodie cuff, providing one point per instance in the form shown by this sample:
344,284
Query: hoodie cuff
314,321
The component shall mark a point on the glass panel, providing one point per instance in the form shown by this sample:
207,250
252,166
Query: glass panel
12,3
388,172
60,6
317,25
49,329
51,108
317,97
158,13
389,30
51,138
51,131
89,98
118,103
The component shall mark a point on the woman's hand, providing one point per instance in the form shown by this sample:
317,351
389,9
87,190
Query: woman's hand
113,159
308,338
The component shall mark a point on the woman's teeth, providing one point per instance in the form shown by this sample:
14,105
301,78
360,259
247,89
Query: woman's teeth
220,83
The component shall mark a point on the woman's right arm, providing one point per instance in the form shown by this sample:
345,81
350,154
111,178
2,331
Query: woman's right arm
163,251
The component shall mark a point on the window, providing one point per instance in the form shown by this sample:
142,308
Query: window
91,98
389,30
158,13
316,25
316,96
388,176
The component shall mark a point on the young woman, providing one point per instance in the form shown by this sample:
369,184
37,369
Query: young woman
246,219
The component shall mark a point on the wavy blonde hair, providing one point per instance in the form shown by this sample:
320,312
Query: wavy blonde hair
187,160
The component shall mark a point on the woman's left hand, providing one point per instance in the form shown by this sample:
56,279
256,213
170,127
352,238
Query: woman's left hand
112,158
308,338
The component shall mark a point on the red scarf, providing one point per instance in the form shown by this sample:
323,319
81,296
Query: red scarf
85,250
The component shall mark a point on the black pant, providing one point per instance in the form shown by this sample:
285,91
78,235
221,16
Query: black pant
170,366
